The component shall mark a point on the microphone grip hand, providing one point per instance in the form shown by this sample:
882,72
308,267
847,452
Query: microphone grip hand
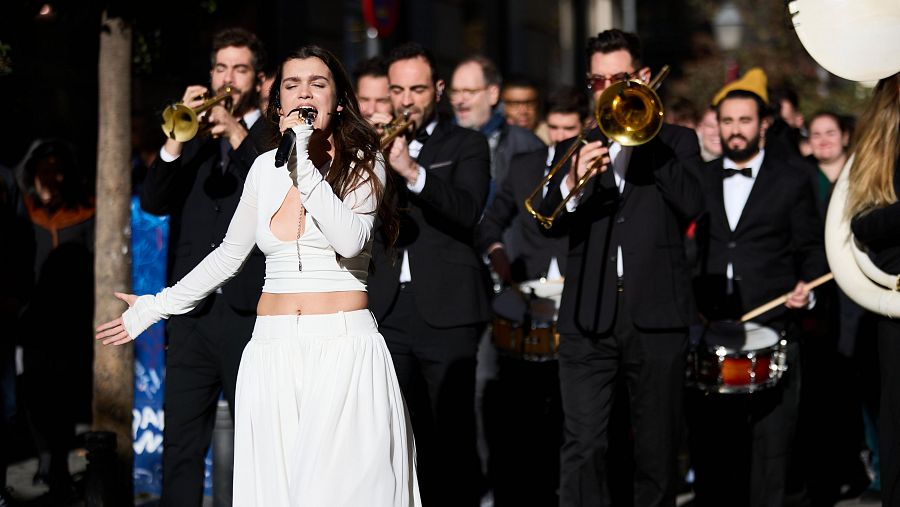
285,147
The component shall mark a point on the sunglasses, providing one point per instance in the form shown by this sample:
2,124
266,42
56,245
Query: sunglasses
599,81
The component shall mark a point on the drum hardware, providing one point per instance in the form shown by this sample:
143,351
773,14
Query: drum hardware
524,324
629,112
729,357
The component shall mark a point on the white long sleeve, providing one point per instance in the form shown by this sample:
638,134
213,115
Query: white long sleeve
213,271
346,227
347,224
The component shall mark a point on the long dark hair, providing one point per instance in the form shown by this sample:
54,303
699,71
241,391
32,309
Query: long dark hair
352,135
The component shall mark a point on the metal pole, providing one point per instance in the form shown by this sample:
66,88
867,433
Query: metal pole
223,456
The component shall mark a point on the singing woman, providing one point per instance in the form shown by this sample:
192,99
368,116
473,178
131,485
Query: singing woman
320,419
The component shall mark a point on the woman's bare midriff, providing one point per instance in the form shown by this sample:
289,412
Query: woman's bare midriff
311,303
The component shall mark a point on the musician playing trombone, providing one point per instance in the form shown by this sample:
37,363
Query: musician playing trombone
198,182
625,306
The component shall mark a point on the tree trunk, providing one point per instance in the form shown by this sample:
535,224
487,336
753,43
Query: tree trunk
114,366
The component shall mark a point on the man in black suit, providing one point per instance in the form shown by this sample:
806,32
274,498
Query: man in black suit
761,238
429,292
626,303
522,408
199,183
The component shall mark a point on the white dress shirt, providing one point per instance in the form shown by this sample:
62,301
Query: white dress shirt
619,157
736,189
735,192
415,147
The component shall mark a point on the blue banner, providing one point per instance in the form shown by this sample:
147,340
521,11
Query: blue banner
149,252
149,247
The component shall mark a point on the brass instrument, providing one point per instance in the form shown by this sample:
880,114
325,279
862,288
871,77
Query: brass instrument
182,123
397,126
628,112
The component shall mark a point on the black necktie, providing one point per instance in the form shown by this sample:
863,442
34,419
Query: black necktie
727,173
224,153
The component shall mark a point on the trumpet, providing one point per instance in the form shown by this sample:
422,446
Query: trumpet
182,123
397,126
629,112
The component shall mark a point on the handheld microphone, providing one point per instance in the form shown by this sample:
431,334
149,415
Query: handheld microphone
289,138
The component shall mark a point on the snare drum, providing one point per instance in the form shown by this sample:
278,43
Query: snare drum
524,324
730,357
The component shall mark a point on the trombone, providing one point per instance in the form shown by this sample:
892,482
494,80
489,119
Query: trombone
396,127
181,123
629,112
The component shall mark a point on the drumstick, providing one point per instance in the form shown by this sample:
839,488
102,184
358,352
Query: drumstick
756,312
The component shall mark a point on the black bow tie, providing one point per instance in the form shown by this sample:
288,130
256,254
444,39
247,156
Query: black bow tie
422,135
727,173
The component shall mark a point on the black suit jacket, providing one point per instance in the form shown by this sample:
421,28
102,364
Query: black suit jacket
437,229
533,249
201,200
662,193
777,241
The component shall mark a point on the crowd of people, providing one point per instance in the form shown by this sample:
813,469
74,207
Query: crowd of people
391,325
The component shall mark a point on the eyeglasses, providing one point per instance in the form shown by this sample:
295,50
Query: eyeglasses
465,92
510,104
599,81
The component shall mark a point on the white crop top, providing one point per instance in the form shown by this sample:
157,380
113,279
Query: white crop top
334,249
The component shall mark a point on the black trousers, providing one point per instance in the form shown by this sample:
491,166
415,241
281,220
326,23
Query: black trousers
436,371
523,422
741,443
889,420
202,360
651,366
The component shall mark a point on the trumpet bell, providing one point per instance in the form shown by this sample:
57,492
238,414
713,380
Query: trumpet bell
180,122
630,113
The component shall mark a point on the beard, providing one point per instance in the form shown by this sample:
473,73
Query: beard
247,101
741,154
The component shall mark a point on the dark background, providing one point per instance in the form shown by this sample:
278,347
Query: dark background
48,64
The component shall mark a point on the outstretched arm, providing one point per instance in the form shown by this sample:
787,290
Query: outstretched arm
213,271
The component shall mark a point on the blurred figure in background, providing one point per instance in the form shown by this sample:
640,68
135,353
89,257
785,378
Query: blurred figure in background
681,111
370,81
786,129
522,106
838,338
265,88
57,338
16,271
708,136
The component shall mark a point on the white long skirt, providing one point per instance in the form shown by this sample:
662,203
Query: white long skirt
320,419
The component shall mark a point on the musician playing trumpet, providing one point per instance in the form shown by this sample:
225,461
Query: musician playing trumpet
199,183
625,306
